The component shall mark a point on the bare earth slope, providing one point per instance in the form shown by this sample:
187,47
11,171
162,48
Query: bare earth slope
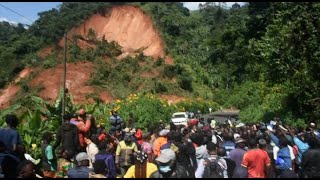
127,25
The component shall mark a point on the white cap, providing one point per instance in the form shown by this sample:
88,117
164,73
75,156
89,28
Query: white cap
312,124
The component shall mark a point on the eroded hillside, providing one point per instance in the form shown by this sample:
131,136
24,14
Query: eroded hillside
127,25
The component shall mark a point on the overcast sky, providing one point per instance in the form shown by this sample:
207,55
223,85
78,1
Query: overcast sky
194,5
30,10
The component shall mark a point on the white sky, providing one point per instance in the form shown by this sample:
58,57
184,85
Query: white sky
194,5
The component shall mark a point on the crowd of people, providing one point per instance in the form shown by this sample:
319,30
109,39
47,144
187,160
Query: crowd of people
199,149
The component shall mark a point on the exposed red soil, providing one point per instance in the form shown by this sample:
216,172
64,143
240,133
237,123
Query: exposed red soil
127,25
24,73
8,93
45,52
106,97
77,76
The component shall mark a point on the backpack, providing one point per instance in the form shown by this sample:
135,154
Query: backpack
213,169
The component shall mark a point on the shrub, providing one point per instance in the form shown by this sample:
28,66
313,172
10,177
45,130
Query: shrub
169,71
159,62
148,109
160,87
185,82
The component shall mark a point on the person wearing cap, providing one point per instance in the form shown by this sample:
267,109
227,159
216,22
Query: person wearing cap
124,151
161,140
141,162
81,170
256,160
313,128
167,166
237,154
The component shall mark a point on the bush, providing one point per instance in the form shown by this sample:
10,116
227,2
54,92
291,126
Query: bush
158,62
160,88
147,109
185,82
169,71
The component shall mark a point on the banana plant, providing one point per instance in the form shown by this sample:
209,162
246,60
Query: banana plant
32,128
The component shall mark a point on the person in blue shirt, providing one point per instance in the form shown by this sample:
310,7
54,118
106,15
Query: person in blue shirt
10,136
228,143
116,122
283,159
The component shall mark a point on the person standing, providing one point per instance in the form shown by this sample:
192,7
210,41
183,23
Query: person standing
49,163
91,150
213,156
105,154
116,122
167,166
142,168
161,140
310,160
10,136
237,154
124,152
83,125
84,117
256,160
67,135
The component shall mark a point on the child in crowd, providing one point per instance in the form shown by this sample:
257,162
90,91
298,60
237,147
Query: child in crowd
49,163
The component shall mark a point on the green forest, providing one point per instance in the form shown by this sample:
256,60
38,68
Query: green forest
262,58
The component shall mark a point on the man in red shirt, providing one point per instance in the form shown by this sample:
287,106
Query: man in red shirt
256,160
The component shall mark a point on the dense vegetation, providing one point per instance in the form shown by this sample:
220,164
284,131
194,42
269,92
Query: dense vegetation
262,58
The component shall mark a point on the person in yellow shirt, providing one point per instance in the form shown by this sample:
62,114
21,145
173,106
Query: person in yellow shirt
124,153
142,168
